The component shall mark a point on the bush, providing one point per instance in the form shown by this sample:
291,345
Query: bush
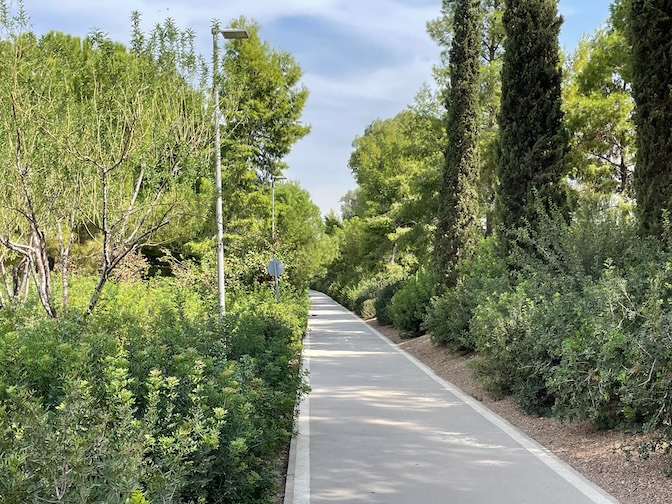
383,300
449,316
355,296
530,339
368,309
144,399
519,337
409,304
615,374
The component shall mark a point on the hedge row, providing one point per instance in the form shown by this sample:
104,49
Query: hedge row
149,399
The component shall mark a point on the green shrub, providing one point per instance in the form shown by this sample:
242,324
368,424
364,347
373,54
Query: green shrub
368,309
519,337
383,300
449,316
144,399
615,374
409,304
353,297
532,341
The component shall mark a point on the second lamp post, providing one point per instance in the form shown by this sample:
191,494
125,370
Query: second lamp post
275,267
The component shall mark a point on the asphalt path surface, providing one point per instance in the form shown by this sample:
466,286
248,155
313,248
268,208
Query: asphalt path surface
380,427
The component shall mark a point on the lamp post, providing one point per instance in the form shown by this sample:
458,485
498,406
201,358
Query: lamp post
277,268
227,33
273,179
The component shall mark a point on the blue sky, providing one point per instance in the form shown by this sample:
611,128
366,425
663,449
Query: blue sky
362,59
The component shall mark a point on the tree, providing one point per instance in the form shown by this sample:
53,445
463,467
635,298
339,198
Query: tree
395,164
442,31
302,241
332,223
350,204
599,112
650,23
490,102
103,141
262,102
458,227
533,142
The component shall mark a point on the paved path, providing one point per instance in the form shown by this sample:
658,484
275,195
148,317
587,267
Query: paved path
380,427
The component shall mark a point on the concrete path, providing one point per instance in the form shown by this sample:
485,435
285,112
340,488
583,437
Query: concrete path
380,427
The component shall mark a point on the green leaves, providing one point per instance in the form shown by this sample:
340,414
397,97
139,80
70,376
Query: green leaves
458,226
599,113
152,405
649,22
262,104
533,142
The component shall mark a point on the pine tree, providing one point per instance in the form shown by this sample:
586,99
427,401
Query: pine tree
650,27
458,228
533,142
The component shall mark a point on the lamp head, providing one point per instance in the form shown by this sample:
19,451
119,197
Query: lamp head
232,33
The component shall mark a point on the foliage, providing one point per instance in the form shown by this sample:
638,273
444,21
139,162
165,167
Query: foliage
302,242
388,221
492,35
409,304
144,399
599,108
368,310
395,165
449,317
533,142
262,102
651,82
383,300
458,226
535,340
104,142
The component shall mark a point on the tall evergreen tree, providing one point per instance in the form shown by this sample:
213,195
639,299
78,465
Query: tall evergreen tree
650,27
457,228
533,142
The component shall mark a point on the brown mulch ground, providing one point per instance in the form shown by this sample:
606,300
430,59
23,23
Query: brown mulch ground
598,455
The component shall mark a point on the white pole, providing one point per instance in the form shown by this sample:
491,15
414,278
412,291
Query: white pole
221,284
277,284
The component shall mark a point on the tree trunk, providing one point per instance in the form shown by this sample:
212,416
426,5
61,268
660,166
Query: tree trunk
65,264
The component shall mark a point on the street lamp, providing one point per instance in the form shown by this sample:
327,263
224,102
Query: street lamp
277,268
227,33
273,179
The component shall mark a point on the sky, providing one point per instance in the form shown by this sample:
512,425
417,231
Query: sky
362,59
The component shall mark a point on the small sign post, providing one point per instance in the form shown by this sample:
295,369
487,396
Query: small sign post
276,268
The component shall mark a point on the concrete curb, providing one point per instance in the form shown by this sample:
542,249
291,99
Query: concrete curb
297,484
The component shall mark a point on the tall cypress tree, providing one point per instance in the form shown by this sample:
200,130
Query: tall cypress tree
457,229
533,142
650,27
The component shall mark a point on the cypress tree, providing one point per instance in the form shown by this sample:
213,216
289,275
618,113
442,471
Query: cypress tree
650,28
457,229
533,143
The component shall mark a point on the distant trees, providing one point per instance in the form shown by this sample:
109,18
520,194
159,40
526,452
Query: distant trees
649,33
458,226
533,141
395,162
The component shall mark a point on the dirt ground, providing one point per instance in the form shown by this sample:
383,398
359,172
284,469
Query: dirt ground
598,455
